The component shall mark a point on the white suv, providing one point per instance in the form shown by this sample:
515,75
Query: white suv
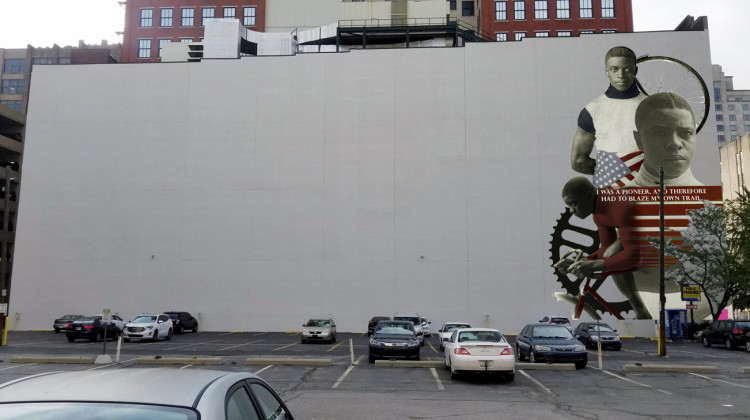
415,319
148,327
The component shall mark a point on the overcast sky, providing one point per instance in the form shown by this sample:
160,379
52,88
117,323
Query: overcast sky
42,23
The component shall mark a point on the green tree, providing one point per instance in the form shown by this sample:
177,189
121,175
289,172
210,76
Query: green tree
707,258
738,237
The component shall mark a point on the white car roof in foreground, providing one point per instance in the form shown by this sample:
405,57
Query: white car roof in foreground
181,387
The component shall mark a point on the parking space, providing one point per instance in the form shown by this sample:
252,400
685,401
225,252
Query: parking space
341,390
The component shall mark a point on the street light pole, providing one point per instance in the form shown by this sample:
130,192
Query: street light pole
662,295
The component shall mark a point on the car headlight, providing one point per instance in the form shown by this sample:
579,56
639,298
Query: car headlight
595,337
580,348
304,331
326,331
542,348
616,338
413,343
150,327
375,343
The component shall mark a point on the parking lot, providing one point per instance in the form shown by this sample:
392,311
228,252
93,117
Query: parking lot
342,390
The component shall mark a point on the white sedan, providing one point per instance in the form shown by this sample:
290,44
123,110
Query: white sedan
479,350
447,329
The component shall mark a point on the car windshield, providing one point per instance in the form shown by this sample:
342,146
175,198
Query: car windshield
490,336
561,321
451,327
318,323
414,319
394,329
145,318
92,411
173,316
549,331
600,327
88,319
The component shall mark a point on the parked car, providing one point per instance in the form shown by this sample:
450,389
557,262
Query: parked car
414,319
64,322
158,393
394,339
556,319
91,328
591,333
729,332
447,329
425,326
374,321
183,321
479,350
319,329
747,341
544,342
148,327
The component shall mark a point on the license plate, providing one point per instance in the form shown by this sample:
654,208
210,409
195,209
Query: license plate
77,328
486,363
314,336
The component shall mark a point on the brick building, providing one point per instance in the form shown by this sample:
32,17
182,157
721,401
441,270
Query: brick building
151,23
513,20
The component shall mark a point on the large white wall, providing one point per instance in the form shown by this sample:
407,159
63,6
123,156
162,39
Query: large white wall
259,192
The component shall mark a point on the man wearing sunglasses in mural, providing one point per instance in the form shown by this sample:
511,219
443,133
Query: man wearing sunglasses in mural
618,253
608,122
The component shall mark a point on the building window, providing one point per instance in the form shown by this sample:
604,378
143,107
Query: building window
519,10
721,137
13,86
14,65
12,104
719,117
161,45
501,10
745,117
732,117
745,107
586,9
732,127
467,8
608,31
144,48
564,33
541,34
230,13
717,107
717,91
248,16
587,31
563,9
519,35
540,9
165,20
501,37
188,16
186,39
746,127
720,127
147,18
64,60
731,107
208,13
42,60
608,8
733,137
453,4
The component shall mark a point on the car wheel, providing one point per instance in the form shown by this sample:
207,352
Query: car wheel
195,328
582,364
302,340
454,372
422,343
71,339
169,335
417,357
728,344
447,364
532,357
706,343
127,340
179,330
57,330
618,348
441,348
95,338
372,359
521,357
510,377
156,335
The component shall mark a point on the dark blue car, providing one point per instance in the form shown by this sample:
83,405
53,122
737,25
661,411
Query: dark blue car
542,342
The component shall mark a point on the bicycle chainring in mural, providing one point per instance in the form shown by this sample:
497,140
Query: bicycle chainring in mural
561,245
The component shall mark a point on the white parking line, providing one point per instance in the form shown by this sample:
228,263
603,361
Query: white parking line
288,345
265,368
103,366
539,384
341,379
263,333
17,366
719,380
635,382
700,354
437,379
239,345
186,345
186,366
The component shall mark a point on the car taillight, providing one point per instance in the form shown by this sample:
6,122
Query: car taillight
736,331
461,350
88,327
507,352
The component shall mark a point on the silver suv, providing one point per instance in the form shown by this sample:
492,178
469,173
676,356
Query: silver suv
415,319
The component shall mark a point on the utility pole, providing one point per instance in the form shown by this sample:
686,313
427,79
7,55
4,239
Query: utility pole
662,295
4,283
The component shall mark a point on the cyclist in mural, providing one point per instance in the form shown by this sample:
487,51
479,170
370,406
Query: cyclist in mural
608,122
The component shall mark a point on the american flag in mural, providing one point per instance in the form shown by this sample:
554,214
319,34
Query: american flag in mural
615,172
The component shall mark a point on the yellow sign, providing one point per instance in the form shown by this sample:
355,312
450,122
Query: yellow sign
691,292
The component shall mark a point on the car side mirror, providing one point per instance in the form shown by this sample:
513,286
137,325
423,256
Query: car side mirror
614,330
447,340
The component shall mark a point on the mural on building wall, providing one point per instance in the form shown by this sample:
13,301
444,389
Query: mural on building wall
641,124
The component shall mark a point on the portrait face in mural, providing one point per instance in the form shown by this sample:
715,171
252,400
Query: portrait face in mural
579,196
621,71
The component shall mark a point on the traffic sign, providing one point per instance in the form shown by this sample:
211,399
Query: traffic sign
691,306
106,315
691,292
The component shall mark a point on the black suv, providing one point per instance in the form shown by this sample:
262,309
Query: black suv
183,321
730,332
374,321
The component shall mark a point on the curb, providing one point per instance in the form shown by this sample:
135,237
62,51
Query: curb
670,368
409,363
53,359
545,366
744,369
157,360
283,361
